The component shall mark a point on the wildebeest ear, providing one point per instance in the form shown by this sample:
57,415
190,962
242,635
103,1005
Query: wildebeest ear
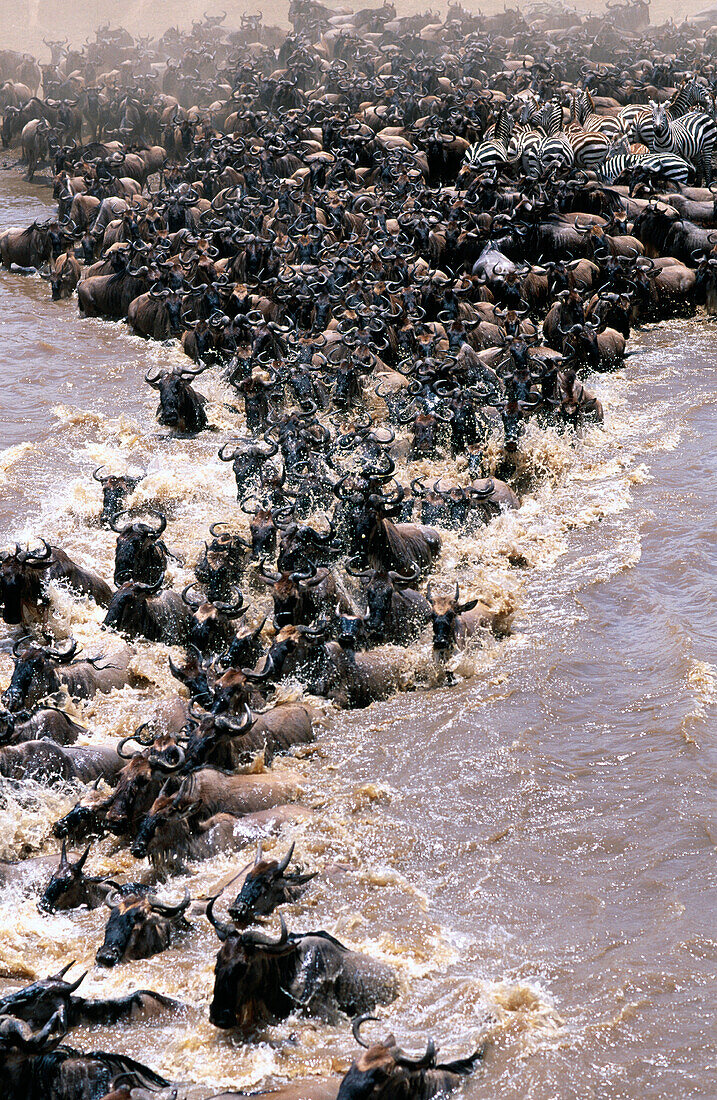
463,607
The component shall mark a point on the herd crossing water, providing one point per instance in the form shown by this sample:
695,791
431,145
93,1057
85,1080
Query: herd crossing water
531,848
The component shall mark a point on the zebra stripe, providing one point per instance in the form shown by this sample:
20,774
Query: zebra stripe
664,165
692,137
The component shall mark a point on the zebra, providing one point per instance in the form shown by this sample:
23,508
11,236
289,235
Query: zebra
584,115
693,137
662,165
491,153
590,147
689,94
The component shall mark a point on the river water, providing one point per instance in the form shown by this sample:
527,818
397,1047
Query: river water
533,848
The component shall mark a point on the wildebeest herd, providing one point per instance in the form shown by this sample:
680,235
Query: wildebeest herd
394,240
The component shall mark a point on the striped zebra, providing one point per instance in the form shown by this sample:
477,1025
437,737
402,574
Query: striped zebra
637,118
692,137
553,153
522,148
689,94
583,113
490,153
662,165
590,147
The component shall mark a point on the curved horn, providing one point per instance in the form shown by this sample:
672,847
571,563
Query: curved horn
222,929
170,910
287,859
356,1028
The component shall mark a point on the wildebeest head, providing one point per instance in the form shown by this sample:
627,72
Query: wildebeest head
66,888
246,648
85,819
291,593
211,627
165,826
21,581
249,976
247,458
212,735
301,547
64,272
384,1072
141,778
220,566
180,406
130,611
35,673
237,688
115,490
139,926
140,554
38,1002
380,593
194,675
445,611
266,886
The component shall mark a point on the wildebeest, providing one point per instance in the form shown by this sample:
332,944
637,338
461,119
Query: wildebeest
257,979
69,887
455,623
23,577
47,762
38,1002
204,794
142,610
180,406
85,819
42,670
384,1072
140,553
49,722
140,925
227,741
115,490
267,885
26,247
64,276
140,780
395,612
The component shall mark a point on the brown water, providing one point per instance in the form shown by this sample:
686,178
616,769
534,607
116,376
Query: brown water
534,848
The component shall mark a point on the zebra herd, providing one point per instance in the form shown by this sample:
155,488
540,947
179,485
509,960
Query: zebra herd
675,141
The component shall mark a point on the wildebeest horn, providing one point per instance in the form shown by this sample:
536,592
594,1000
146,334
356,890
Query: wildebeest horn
256,939
222,929
95,473
259,677
20,642
35,556
225,723
113,523
286,860
121,745
194,603
356,1028
81,861
232,610
424,1062
170,910
63,655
